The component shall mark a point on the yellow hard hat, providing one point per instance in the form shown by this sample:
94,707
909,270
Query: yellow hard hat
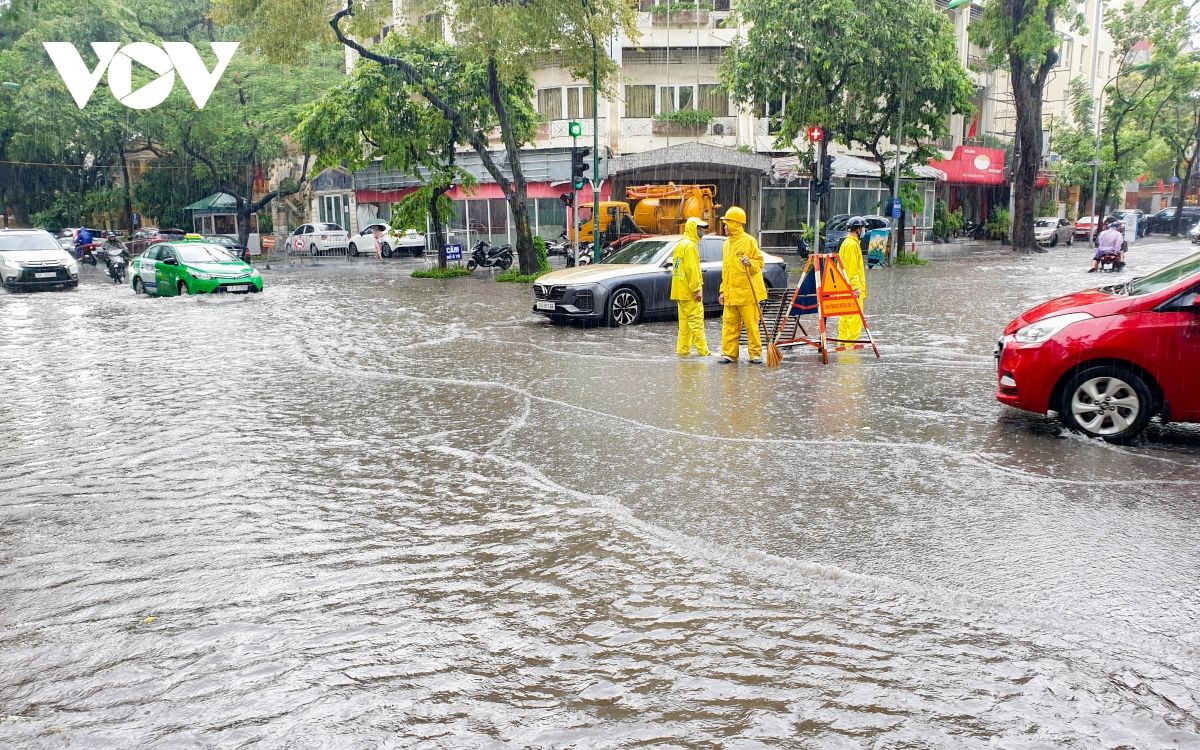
735,214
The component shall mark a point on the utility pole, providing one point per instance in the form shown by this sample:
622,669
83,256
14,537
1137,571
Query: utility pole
1096,103
896,178
595,151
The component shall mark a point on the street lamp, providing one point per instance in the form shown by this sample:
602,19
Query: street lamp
1096,148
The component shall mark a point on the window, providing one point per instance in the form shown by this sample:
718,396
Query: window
579,102
1066,52
1083,56
551,217
550,103
672,98
711,249
639,101
714,99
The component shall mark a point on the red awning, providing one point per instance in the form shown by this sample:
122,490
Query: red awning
973,165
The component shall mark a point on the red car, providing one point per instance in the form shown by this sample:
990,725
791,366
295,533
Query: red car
1108,359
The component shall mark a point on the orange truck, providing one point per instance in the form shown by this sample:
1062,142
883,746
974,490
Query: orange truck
659,209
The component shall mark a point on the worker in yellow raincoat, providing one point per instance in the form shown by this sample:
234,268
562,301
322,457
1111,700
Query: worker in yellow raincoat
850,327
742,288
687,289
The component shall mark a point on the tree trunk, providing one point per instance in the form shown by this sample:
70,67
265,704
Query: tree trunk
435,218
515,191
1177,221
1029,147
128,188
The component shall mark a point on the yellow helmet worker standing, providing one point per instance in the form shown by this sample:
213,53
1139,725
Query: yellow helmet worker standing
851,253
742,288
687,290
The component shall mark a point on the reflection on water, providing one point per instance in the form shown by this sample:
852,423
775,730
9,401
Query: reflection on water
361,510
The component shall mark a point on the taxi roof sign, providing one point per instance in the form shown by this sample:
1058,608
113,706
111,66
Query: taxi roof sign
192,236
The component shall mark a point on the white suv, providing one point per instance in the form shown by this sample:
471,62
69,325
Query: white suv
318,239
33,259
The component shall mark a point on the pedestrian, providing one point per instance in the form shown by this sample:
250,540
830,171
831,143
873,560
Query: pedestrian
377,234
687,289
1111,242
850,326
742,288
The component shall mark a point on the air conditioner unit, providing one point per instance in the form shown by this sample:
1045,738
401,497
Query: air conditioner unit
718,128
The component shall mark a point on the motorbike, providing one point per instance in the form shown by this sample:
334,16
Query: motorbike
114,255
580,257
86,252
486,256
558,246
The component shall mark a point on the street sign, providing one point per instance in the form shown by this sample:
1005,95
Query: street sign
896,206
453,252
136,219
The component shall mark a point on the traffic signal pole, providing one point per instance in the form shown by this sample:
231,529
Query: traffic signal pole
574,206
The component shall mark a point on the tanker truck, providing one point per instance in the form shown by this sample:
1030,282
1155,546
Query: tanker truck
659,209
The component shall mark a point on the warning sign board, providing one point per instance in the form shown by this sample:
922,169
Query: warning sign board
834,282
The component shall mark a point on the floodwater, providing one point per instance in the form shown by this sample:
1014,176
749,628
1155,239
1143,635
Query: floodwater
362,510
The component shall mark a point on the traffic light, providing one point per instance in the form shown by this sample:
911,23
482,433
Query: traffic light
827,171
579,166
566,198
816,134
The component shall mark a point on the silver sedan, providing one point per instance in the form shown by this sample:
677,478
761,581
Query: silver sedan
635,283
1051,230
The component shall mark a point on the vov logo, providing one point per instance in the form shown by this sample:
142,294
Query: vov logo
171,58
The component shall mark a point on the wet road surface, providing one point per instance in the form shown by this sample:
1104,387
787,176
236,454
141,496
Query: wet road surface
362,510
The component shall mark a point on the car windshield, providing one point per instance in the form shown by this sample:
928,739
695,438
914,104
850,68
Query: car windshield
10,243
1165,277
838,223
640,252
1046,223
328,228
202,254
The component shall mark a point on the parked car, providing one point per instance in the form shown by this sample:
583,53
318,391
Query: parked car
319,239
147,236
635,283
1051,230
1162,221
230,245
363,243
1128,215
1108,359
412,241
34,259
191,265
835,230
1085,225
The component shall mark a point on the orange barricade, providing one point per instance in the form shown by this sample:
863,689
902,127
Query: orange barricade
834,298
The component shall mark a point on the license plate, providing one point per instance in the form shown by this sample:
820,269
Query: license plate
543,305
50,275
237,288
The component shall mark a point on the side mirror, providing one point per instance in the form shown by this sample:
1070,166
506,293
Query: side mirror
170,261
667,265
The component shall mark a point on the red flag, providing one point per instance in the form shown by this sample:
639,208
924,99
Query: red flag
974,125
1161,188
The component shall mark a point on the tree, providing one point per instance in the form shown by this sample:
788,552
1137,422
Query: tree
507,38
840,64
380,115
1022,34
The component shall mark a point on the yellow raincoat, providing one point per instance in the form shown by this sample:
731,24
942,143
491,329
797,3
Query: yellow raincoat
687,289
850,326
743,291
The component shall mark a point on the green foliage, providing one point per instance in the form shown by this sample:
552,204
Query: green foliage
449,272
515,275
809,232
945,222
842,64
911,199
1047,208
910,259
679,6
694,119
998,225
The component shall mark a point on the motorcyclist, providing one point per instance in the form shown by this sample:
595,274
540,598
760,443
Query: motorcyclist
82,238
1110,242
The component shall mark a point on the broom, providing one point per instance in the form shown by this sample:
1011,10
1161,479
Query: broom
774,356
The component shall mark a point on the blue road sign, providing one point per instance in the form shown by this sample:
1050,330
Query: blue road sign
895,208
453,252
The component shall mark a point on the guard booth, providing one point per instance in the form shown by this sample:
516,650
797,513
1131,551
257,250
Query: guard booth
217,214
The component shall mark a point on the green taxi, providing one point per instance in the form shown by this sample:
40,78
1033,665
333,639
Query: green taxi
192,265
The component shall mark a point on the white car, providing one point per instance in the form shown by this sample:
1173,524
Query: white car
318,239
390,243
33,259
1051,230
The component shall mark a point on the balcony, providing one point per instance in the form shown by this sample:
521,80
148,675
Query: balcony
680,19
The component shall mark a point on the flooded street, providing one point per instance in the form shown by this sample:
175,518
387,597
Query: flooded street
362,510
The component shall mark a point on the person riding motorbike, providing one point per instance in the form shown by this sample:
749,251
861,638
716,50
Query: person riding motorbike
1111,244
82,238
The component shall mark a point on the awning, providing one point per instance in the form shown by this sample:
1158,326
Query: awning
217,203
789,167
973,165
